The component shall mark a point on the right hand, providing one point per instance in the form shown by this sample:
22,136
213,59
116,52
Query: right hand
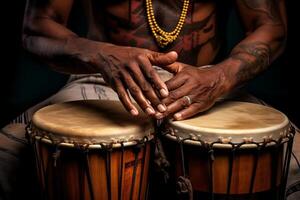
130,68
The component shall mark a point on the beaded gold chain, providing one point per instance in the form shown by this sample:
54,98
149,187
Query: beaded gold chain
162,37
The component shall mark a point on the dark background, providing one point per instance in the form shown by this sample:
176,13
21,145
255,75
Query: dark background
25,81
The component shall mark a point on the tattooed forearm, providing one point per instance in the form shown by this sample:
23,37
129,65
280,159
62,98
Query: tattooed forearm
268,7
253,57
264,41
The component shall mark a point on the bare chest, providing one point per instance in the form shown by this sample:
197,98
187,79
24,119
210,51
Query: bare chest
126,23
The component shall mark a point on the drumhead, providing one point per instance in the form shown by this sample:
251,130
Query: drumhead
234,122
91,122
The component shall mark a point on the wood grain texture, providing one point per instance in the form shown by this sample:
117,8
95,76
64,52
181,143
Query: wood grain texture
68,180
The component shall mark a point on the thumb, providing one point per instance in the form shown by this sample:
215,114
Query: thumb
173,68
162,59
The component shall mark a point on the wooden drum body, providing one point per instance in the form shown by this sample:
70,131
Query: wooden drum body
235,150
91,150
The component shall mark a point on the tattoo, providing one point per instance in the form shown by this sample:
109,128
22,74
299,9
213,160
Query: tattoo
134,30
194,36
268,7
254,58
131,31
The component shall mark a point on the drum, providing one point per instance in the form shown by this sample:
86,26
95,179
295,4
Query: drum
91,150
236,150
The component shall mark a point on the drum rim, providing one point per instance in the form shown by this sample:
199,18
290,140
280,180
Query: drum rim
195,135
220,144
46,137
129,136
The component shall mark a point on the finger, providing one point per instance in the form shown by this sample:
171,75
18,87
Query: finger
192,110
173,68
174,107
124,97
146,88
162,59
137,94
175,82
176,94
152,76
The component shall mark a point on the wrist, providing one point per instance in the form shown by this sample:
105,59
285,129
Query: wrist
227,70
88,52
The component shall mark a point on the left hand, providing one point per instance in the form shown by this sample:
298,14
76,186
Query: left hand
202,86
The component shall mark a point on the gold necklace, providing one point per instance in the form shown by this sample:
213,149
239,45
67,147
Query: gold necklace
162,37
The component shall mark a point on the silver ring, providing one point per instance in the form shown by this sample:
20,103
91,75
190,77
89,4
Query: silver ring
189,101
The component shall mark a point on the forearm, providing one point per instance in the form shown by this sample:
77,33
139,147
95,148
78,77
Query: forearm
253,54
265,26
47,37
65,55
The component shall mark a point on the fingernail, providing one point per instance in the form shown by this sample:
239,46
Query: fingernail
159,116
177,116
161,108
150,111
164,92
134,112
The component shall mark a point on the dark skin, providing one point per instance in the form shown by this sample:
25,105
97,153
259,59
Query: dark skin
120,46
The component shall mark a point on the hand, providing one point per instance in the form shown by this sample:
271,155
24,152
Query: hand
130,68
202,86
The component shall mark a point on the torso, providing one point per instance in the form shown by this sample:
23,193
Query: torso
124,22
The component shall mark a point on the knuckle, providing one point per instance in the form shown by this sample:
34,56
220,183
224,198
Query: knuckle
156,54
131,65
140,57
130,52
148,52
145,87
142,103
134,89
151,74
127,80
173,96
